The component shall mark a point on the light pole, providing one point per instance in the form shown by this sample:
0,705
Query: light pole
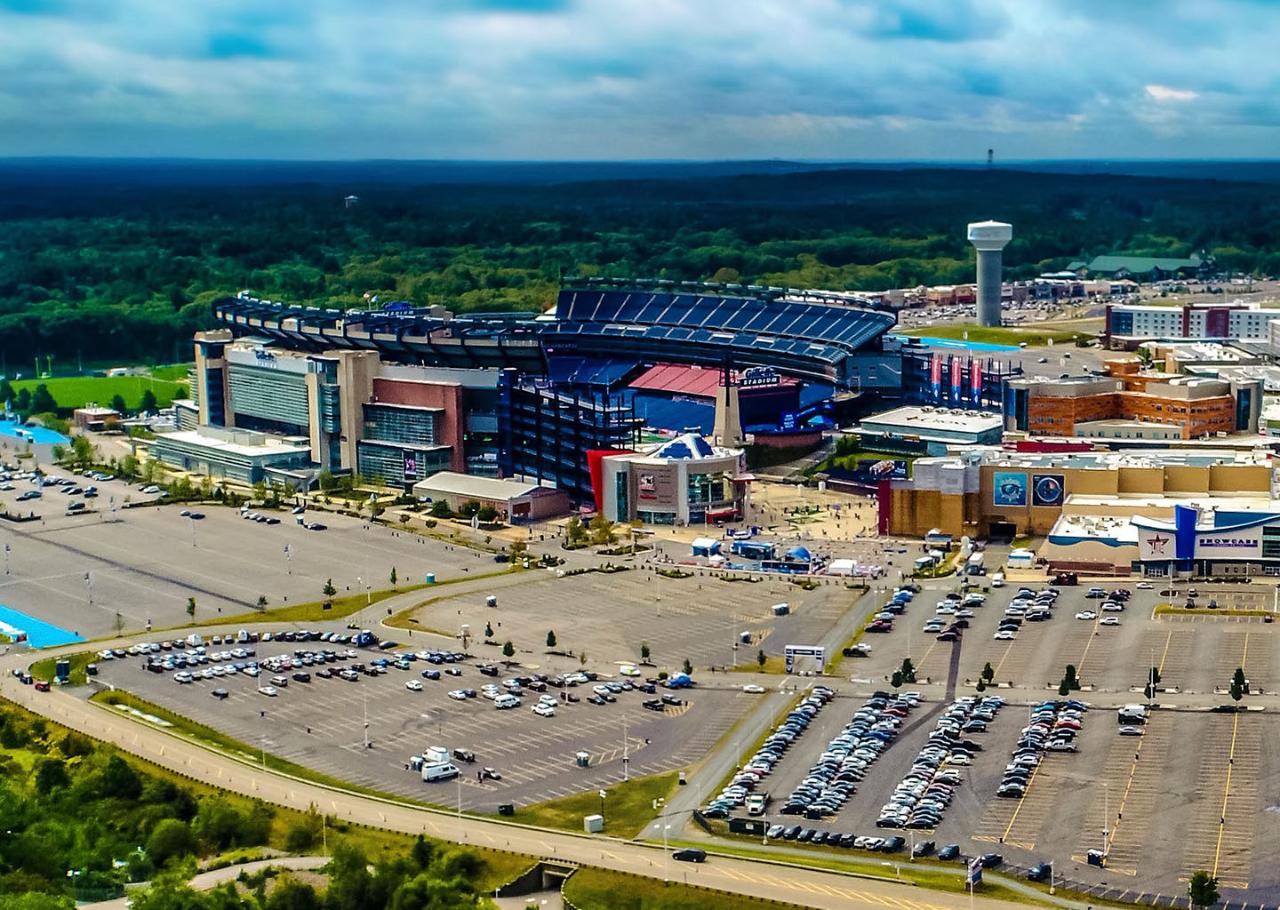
288,558
366,721
603,794
459,780
666,853
626,756
1106,819
192,521
1052,889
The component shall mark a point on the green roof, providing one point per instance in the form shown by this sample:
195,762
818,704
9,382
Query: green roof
1141,265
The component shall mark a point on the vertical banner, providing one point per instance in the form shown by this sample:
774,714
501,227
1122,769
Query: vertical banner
975,380
935,376
955,380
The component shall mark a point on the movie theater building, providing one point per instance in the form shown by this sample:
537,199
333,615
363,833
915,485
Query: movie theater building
1213,544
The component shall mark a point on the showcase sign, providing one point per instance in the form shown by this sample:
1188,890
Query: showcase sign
1009,488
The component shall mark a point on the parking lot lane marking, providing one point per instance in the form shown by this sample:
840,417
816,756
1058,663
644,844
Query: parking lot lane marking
1003,658
1226,791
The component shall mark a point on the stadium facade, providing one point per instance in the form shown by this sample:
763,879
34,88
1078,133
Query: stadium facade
396,392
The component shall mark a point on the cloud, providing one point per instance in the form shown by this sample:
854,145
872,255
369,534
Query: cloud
1165,93
637,78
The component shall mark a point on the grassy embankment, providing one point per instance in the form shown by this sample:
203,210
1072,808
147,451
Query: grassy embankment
628,807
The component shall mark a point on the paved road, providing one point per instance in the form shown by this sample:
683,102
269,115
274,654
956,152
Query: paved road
205,880
810,887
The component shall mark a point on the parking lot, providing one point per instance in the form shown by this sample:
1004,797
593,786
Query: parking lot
321,724
1195,791
144,562
609,616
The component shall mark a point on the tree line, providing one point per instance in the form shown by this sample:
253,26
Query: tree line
111,268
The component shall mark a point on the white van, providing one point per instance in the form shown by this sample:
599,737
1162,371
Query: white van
506,701
1132,714
194,640
997,580
447,771
436,755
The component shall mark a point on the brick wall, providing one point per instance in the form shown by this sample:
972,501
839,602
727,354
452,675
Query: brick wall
444,395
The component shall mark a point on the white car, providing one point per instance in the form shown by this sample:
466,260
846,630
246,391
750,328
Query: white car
1005,635
543,710
1109,621
1144,586
413,685
151,489
753,689
458,695
1131,730
628,670
1112,606
1086,614
269,691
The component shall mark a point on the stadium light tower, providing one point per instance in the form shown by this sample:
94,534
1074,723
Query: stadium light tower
989,238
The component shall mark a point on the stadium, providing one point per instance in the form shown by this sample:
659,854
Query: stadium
827,338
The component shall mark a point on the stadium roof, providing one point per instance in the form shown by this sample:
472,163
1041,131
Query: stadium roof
698,381
1142,265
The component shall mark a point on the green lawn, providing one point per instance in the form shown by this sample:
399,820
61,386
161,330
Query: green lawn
311,611
43,669
996,334
627,807
76,391
601,889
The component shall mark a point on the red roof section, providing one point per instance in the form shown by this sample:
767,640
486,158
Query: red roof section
686,380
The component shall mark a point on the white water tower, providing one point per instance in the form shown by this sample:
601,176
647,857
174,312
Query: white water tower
989,238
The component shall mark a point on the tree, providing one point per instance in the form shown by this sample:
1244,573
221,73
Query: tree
170,839
306,832
82,451
51,774
908,670
988,672
574,532
149,403
644,651
329,590
1063,688
487,514
469,508
551,638
393,576
761,659
488,630
191,607
1069,678
23,401
602,531
688,667
260,491
118,405
518,550
42,402
440,509
508,650
896,679
262,602
982,685
1239,685
1202,889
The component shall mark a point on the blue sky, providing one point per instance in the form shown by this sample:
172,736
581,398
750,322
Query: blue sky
633,79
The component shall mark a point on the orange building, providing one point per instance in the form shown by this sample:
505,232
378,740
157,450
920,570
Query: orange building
1197,406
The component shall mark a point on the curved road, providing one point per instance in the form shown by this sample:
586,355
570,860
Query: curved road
203,881
780,882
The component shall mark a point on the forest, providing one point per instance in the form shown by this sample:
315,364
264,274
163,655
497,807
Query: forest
118,261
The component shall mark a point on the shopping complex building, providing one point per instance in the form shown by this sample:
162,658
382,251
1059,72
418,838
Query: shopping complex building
997,493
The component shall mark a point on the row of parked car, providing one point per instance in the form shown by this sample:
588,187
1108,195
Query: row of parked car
896,606
764,760
1053,728
952,614
835,775
926,790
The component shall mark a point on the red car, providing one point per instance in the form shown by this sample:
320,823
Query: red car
42,685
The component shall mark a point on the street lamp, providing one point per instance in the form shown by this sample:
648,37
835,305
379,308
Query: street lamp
603,794
666,862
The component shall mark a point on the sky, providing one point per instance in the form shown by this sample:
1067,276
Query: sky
640,79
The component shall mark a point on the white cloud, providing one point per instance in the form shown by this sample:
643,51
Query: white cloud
635,78
1164,93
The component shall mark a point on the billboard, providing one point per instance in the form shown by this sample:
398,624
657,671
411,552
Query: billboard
1047,489
975,380
656,484
935,376
410,465
1009,488
955,379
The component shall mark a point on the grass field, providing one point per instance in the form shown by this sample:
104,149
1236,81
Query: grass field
995,334
600,889
43,669
627,807
76,391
